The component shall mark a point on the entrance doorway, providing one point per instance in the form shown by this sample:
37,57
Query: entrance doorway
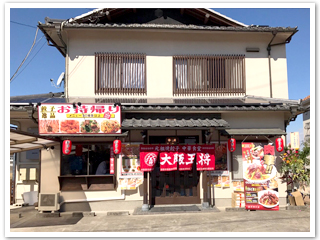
174,187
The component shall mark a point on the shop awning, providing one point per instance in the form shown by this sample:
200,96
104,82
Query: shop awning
133,123
254,132
23,141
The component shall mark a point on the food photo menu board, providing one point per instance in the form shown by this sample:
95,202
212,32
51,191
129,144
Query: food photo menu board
131,175
130,159
259,173
70,119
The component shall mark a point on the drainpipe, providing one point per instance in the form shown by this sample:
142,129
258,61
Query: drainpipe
30,111
59,30
274,33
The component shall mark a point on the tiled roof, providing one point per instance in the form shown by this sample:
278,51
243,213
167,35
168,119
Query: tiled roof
133,123
99,10
252,28
308,97
206,108
255,131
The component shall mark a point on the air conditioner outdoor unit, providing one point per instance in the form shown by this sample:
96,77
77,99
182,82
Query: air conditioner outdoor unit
49,202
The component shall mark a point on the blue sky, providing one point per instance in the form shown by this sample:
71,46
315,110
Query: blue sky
46,62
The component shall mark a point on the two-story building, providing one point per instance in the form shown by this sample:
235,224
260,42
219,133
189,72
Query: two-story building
192,76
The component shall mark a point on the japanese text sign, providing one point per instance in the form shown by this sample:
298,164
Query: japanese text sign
259,172
69,119
168,161
111,161
172,156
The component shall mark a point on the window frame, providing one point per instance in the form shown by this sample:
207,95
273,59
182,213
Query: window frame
87,182
117,79
226,75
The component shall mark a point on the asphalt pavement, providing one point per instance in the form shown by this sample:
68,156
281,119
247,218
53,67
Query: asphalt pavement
27,219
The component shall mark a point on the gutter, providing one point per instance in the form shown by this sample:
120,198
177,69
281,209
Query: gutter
49,39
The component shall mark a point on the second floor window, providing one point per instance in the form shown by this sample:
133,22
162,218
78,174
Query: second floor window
117,73
209,75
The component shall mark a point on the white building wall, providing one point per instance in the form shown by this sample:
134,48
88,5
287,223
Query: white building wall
159,47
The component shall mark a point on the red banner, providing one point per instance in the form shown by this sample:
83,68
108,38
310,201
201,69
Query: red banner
186,161
268,150
148,161
170,156
168,161
205,161
206,158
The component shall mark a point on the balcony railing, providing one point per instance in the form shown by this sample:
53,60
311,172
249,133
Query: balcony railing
120,73
215,75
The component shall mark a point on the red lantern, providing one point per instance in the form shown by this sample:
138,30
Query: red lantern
78,150
66,147
232,144
279,144
116,146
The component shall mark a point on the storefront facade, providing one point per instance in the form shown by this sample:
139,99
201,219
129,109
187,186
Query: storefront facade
124,186
197,86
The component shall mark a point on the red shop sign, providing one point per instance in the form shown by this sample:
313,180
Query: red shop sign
148,161
168,161
186,161
171,155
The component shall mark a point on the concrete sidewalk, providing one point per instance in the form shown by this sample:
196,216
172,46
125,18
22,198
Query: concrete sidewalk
202,221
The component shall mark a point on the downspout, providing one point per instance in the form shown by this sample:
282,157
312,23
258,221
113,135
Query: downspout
59,29
66,78
30,111
274,33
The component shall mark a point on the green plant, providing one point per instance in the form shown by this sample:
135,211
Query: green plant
305,152
293,165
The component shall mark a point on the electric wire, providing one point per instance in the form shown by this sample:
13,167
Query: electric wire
34,41
30,60
23,24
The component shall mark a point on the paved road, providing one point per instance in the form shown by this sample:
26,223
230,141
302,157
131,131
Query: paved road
242,221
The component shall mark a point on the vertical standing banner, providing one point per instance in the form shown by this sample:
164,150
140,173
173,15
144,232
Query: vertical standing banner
111,161
294,139
260,185
131,175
